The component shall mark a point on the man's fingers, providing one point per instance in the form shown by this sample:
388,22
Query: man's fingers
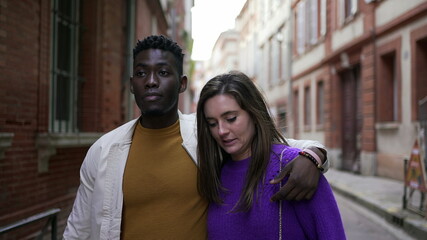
309,194
286,192
302,181
285,172
277,196
300,196
282,194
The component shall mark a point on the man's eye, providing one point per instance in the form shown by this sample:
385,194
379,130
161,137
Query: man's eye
163,73
231,119
140,74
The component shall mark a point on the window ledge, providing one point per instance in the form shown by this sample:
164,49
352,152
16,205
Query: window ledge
47,143
307,128
5,142
320,127
387,126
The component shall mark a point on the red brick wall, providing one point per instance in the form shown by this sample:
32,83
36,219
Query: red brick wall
25,35
111,65
101,67
25,55
368,102
24,107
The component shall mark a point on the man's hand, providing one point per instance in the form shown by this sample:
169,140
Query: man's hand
302,182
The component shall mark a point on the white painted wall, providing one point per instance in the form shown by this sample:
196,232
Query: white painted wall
390,9
348,33
303,62
398,138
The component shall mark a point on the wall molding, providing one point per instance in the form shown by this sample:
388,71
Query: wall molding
5,142
47,143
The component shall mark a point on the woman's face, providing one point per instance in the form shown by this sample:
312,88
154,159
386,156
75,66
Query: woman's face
230,125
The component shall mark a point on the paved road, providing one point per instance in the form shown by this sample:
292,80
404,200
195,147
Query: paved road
359,223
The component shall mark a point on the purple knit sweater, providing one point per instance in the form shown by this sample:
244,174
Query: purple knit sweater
318,218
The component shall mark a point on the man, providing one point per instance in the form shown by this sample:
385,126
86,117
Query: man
141,178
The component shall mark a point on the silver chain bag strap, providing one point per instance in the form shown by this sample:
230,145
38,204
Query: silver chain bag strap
280,202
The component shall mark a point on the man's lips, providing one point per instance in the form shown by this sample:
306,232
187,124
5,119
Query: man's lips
151,96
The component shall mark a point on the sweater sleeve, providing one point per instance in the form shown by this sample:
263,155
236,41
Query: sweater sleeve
320,216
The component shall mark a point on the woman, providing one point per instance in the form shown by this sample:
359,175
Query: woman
239,151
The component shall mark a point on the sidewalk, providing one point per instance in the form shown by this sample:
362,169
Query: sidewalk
380,195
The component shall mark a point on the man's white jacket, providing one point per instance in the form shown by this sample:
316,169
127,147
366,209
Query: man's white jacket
97,210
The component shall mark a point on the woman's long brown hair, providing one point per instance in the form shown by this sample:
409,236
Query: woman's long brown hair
211,156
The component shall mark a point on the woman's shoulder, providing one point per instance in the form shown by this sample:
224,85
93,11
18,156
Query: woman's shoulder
280,155
285,151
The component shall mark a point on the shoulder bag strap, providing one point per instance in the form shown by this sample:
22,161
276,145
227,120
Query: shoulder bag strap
280,202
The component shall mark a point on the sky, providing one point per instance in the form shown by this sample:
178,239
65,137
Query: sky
210,19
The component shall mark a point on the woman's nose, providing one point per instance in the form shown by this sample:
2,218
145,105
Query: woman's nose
222,129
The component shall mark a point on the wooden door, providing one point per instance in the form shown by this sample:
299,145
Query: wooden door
351,119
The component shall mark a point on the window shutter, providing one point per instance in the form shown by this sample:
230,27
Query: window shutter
323,17
313,24
301,27
341,13
353,7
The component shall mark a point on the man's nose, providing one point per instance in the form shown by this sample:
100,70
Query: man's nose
152,81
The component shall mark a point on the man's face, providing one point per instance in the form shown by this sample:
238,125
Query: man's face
156,83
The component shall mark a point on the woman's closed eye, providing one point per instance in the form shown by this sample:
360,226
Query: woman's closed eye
231,119
212,124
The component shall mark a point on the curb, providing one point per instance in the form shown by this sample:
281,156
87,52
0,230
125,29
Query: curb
411,223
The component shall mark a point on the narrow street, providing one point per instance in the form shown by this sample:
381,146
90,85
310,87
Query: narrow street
359,223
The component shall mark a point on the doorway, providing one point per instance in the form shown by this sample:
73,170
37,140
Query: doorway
351,118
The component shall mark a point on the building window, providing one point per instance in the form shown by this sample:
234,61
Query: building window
282,53
64,74
307,107
310,23
296,113
348,9
300,28
420,80
265,9
323,20
266,66
388,91
275,61
281,119
320,108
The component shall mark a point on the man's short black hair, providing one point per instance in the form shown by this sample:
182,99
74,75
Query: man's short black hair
163,43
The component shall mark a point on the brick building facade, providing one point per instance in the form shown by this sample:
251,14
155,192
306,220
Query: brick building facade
64,80
366,66
348,73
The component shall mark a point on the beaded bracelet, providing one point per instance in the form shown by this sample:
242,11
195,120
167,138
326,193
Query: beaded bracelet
312,159
313,154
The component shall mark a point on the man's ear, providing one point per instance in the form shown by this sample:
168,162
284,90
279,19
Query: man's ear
131,85
183,84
